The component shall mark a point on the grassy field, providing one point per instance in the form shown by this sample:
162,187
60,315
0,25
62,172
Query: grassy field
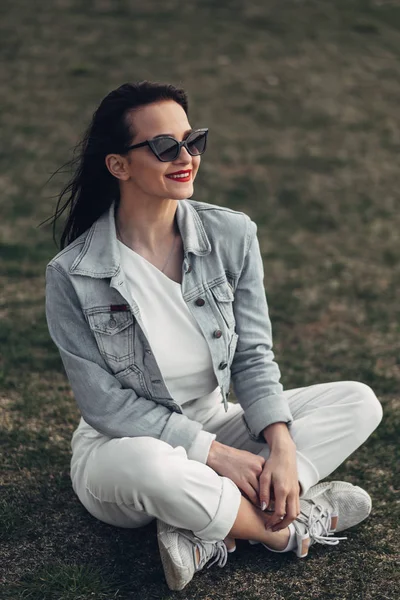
302,102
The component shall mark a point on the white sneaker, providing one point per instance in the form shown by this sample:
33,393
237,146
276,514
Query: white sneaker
326,508
353,503
315,524
178,554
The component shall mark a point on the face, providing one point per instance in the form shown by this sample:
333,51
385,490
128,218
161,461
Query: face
140,169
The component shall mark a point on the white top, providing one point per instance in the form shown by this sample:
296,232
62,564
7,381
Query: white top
176,340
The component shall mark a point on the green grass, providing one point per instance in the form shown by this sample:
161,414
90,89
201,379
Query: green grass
68,582
301,99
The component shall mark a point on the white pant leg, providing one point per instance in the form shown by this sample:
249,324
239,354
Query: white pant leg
331,420
129,481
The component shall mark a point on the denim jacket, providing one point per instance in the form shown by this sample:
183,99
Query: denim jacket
97,327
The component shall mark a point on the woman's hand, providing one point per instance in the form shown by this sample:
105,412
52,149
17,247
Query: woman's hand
242,467
279,480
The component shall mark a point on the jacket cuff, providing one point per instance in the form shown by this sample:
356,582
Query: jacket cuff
264,412
201,446
180,431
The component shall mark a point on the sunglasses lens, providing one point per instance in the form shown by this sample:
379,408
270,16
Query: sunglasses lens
166,148
196,142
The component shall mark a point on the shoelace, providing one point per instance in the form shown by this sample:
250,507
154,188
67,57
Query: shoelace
220,554
219,549
317,525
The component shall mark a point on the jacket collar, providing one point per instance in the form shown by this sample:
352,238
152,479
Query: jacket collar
100,256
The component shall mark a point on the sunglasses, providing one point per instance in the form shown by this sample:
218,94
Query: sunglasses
166,148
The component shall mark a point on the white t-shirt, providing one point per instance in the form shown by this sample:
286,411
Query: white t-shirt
176,341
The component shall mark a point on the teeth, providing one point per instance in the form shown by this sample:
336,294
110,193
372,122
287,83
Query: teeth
180,176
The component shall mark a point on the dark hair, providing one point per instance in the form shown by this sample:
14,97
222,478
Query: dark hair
92,188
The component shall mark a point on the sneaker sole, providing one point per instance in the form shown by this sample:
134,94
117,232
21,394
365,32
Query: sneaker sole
361,499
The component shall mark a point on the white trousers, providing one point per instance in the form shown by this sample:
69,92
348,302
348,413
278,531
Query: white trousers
127,481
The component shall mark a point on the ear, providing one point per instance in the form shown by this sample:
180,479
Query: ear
117,165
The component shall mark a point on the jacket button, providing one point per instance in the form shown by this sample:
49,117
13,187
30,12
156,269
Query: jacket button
112,322
223,365
200,302
217,333
148,351
189,269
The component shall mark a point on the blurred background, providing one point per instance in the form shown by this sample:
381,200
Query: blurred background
302,102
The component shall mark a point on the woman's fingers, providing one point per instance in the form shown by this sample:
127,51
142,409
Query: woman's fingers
291,514
265,491
250,493
280,509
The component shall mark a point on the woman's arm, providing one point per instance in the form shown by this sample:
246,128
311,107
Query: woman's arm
256,382
255,374
104,404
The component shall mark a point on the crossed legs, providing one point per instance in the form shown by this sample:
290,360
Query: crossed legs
129,481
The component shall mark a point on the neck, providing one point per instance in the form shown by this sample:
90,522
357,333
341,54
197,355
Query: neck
147,227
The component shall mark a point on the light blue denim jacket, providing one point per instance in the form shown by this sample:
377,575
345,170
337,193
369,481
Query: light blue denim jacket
97,327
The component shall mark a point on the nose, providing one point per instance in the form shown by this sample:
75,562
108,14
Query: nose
184,156
188,156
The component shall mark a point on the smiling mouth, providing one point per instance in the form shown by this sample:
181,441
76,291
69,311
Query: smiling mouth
182,176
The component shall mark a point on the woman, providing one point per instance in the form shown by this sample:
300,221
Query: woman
156,303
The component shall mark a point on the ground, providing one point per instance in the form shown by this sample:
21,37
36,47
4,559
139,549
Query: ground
301,99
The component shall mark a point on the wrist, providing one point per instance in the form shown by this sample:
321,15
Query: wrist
277,435
213,453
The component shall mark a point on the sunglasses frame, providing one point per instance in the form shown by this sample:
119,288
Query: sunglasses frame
151,144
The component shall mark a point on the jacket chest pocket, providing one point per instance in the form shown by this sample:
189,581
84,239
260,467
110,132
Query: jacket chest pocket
223,299
114,333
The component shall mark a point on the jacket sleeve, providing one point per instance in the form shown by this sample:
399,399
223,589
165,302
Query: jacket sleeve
106,406
254,372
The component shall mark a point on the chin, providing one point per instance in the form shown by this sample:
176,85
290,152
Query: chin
186,193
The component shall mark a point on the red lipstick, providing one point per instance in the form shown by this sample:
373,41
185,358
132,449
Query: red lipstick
183,176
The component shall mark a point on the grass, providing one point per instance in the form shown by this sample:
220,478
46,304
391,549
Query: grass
302,104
